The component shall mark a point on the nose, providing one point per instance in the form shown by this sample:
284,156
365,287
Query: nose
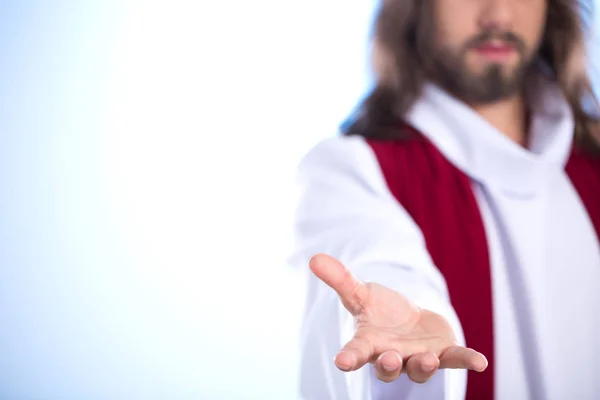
497,15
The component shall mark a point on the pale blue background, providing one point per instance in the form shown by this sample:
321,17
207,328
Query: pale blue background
147,150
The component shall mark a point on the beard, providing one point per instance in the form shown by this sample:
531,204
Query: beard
448,68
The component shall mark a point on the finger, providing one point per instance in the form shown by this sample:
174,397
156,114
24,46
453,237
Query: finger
422,366
463,358
339,278
355,354
388,366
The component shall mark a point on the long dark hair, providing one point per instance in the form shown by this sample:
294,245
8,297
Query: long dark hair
399,61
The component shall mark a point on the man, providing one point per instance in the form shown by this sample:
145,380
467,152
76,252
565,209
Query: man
466,192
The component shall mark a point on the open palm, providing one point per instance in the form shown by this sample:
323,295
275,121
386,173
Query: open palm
391,332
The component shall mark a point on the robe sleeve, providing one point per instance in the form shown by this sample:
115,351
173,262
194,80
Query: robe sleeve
346,210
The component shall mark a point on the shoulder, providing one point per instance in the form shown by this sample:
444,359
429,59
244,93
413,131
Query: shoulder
341,159
337,150
379,164
353,151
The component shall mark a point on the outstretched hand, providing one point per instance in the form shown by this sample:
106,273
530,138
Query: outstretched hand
391,332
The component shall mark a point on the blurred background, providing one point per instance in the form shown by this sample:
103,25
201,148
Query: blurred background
147,157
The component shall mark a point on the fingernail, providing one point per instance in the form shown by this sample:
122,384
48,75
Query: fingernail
389,368
427,368
386,365
347,364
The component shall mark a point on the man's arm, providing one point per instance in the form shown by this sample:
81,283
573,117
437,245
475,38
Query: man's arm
346,211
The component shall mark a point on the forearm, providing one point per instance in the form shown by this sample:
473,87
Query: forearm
346,211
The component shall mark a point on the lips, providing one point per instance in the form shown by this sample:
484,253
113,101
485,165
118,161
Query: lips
495,50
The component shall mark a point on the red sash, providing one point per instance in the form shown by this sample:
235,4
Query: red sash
441,201
584,172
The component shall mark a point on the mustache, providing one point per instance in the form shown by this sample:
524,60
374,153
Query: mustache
507,37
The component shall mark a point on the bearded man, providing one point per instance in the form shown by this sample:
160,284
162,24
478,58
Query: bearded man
453,230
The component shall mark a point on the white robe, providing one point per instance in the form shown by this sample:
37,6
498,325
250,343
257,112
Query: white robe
545,256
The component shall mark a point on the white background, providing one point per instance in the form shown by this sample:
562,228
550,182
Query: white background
147,153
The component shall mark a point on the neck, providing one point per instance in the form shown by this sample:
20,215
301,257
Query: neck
509,116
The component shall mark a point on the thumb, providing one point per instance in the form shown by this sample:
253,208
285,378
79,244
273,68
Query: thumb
352,292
